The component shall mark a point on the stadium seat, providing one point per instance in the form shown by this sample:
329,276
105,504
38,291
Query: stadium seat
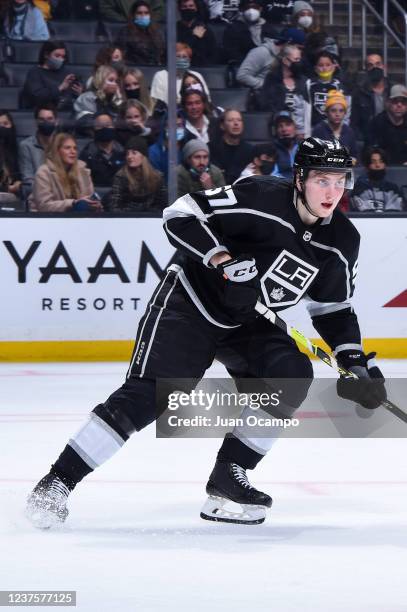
16,73
10,98
213,75
26,125
84,53
255,125
230,98
26,51
76,31
113,28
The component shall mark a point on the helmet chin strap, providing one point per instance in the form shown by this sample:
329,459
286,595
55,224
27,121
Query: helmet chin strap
301,196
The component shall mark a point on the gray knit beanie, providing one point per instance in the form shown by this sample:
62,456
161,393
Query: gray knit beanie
299,5
192,146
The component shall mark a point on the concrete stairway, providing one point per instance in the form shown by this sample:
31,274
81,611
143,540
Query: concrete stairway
352,56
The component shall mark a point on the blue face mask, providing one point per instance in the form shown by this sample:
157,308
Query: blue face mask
143,22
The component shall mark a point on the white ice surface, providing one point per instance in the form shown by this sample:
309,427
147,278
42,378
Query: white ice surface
335,540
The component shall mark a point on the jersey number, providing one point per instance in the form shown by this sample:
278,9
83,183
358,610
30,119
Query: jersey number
228,200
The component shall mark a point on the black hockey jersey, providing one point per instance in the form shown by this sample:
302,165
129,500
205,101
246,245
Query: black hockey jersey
257,216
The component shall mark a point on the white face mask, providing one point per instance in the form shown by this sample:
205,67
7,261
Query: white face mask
305,21
251,15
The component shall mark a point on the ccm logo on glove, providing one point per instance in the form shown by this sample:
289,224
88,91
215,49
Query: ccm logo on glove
239,270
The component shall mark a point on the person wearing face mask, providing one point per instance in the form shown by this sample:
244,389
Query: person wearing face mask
24,21
302,15
193,31
135,88
104,156
284,87
158,152
196,173
285,139
372,191
119,10
10,178
133,121
244,33
263,162
106,96
159,84
51,82
326,77
141,39
370,95
32,150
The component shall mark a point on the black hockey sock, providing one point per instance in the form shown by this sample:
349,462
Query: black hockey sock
70,467
234,451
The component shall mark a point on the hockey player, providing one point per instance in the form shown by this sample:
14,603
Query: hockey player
262,238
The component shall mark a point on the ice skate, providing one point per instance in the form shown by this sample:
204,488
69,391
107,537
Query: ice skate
229,483
46,504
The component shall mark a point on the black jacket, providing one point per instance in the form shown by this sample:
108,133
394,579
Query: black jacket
237,41
392,138
275,97
363,107
102,167
205,49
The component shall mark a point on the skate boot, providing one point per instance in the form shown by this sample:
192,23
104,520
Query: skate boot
46,504
229,482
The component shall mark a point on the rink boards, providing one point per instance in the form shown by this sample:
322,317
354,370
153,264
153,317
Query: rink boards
75,288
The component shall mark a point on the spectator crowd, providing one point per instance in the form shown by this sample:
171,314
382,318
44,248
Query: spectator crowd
100,141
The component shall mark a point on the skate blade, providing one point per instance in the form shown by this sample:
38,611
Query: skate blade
43,516
213,510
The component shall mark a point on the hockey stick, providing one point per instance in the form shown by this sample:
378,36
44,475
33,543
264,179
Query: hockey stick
320,353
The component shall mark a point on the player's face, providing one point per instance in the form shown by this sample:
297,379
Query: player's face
323,190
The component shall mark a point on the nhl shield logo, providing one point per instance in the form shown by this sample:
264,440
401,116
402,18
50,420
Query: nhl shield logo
287,279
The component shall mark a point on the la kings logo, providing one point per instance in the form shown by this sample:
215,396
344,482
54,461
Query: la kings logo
287,279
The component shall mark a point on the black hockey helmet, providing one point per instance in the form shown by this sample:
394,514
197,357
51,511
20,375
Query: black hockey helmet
326,155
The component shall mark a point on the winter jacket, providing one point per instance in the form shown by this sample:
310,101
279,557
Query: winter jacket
119,10
88,104
376,196
48,195
122,200
257,63
29,25
363,107
189,183
103,167
142,46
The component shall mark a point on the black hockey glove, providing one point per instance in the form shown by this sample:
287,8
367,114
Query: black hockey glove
369,390
241,287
